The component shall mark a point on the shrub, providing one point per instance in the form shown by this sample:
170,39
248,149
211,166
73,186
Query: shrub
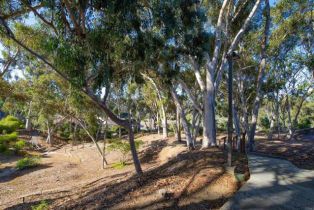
304,123
118,165
20,144
43,205
3,147
265,122
9,124
8,137
27,162
123,147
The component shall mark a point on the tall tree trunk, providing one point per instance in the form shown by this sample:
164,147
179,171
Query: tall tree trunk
49,134
164,123
162,107
209,138
137,163
158,127
289,117
28,124
230,112
260,77
87,90
236,123
178,126
188,136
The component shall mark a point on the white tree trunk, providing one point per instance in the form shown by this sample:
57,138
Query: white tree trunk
28,124
260,77
188,136
209,138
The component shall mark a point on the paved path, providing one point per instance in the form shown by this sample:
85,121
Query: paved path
274,184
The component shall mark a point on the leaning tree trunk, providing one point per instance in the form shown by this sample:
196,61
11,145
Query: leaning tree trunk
178,125
87,90
28,124
260,77
188,136
49,134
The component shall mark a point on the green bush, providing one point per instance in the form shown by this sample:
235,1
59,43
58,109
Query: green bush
8,137
265,122
304,123
43,205
20,144
27,162
115,129
9,124
3,147
123,147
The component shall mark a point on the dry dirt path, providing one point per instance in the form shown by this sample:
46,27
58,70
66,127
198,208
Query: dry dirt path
274,184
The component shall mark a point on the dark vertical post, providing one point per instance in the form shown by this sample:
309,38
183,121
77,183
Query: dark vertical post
230,123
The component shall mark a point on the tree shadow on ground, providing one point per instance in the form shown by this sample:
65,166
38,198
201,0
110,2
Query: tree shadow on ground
287,187
151,153
10,173
179,172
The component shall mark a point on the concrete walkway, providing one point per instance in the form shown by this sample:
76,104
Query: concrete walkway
274,184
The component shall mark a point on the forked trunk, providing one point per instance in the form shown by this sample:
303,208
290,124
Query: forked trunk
188,136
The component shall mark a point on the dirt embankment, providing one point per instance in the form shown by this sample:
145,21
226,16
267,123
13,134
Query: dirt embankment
72,178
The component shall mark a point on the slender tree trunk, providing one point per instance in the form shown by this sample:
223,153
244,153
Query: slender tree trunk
260,77
289,118
178,126
158,127
164,124
230,112
137,163
28,124
236,123
189,141
104,161
87,90
49,134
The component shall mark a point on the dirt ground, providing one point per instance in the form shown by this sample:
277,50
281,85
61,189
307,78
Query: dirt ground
299,151
73,178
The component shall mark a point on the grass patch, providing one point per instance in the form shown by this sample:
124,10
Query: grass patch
119,165
43,205
27,162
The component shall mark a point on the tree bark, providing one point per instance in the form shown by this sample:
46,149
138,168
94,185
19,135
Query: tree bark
178,126
209,138
162,107
230,112
260,77
185,125
28,124
101,104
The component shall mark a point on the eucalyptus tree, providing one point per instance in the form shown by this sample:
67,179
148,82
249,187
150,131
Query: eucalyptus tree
87,43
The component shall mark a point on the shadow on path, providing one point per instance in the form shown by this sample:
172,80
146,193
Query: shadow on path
274,184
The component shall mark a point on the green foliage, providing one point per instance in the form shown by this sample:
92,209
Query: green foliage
304,123
27,162
8,138
123,147
9,124
20,144
118,165
265,123
43,205
222,123
3,148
